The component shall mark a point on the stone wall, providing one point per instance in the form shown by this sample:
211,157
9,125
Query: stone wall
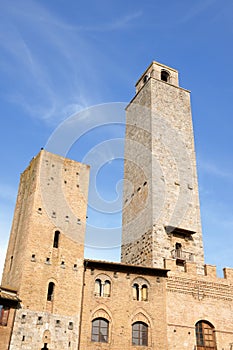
52,197
121,309
160,187
192,297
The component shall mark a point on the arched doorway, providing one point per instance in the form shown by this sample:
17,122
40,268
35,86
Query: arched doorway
205,336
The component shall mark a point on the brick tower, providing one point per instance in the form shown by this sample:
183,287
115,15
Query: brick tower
44,261
161,214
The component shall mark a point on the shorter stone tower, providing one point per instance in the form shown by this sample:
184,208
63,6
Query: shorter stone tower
44,261
161,214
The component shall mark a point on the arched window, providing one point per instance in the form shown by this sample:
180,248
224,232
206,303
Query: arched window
144,292
102,289
140,334
140,289
99,332
136,291
146,78
205,336
165,76
50,294
56,239
107,288
98,287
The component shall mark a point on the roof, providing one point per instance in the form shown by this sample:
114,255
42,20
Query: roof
120,267
9,294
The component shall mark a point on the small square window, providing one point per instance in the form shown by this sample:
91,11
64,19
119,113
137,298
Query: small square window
40,320
71,325
58,323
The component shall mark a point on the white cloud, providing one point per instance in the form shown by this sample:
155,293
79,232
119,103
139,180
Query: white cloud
196,10
117,24
50,85
214,169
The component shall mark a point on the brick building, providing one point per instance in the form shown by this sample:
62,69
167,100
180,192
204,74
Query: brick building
162,295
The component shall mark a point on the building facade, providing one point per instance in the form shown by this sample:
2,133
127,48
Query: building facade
161,296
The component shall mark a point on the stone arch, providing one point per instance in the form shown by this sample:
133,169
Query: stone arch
165,75
141,315
102,312
140,281
103,277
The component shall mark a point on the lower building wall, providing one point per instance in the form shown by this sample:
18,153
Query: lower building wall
32,330
171,308
122,310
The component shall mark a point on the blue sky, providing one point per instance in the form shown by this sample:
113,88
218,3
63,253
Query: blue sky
58,57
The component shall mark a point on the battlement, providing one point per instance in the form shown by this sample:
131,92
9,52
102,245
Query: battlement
195,270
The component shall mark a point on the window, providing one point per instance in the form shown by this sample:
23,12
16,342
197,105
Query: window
50,294
140,290
140,334
178,248
71,325
23,318
144,292
102,289
4,313
58,323
40,320
106,289
98,287
146,78
136,291
99,332
165,76
56,239
205,336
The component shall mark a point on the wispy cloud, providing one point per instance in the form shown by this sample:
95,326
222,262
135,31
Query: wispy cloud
213,169
45,56
117,24
197,9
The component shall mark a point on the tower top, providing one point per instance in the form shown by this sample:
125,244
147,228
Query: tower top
158,71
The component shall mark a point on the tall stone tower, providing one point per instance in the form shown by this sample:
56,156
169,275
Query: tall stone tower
161,214
44,261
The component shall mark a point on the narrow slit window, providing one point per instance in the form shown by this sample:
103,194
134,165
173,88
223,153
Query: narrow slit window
50,295
107,289
56,239
144,292
136,291
98,287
